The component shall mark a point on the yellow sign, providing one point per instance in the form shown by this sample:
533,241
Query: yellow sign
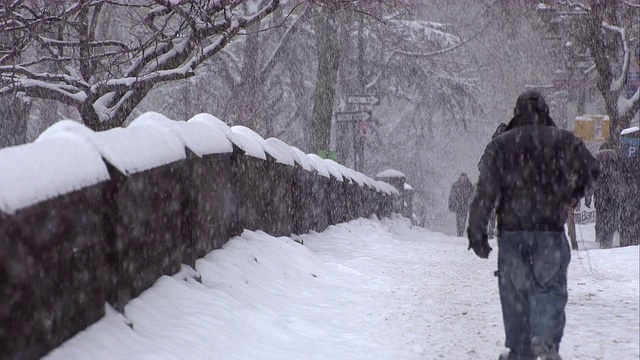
592,127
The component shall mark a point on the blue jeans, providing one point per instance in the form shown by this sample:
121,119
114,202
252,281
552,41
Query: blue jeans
532,273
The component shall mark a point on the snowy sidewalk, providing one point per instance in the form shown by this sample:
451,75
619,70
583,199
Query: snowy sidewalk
363,290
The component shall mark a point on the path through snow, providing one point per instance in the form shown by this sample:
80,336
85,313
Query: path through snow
367,289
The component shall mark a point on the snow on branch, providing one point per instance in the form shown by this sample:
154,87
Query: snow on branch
616,85
637,6
457,45
629,105
60,50
277,53
45,90
575,4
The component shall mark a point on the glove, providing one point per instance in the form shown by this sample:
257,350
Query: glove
479,242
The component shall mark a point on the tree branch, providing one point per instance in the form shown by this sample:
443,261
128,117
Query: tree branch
40,89
437,52
617,85
277,53
175,38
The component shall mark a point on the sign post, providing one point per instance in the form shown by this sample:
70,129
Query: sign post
363,100
353,116
359,117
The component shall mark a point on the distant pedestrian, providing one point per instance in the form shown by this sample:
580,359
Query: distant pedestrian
459,200
606,194
536,172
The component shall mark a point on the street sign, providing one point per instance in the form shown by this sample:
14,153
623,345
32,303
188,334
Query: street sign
363,99
364,127
353,116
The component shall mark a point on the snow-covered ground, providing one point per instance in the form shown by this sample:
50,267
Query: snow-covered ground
367,289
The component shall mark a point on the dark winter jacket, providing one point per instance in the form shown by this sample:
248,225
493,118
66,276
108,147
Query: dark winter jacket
460,195
535,171
499,131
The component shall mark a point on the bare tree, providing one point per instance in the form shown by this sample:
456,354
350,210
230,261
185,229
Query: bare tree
13,113
606,18
605,29
263,79
328,53
266,56
13,122
105,75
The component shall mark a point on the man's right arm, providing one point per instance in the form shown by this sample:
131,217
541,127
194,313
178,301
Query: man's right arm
485,195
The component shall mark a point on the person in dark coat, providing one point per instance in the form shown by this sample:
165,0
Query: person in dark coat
606,196
536,172
459,200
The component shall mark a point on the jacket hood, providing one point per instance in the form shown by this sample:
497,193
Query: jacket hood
530,118
499,130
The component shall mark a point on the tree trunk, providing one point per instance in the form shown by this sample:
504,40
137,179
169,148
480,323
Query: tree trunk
90,118
600,53
14,112
44,113
328,51
245,96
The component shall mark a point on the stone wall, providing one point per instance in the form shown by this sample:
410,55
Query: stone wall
63,258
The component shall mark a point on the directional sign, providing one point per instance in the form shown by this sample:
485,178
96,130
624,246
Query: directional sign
363,99
350,116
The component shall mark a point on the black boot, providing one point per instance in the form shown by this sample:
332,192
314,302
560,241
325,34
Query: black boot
544,351
510,355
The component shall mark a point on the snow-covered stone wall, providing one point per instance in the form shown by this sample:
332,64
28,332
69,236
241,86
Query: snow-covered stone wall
93,217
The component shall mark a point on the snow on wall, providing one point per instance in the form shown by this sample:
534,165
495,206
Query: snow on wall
360,178
289,156
266,147
318,164
388,188
390,173
368,181
348,174
51,166
336,170
220,125
138,148
305,162
250,147
377,187
356,176
130,150
383,187
200,137
69,156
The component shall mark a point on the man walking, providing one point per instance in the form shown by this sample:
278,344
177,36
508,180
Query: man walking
536,172
459,201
